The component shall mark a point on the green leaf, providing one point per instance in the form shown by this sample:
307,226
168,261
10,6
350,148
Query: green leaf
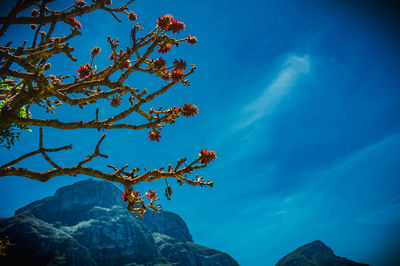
13,132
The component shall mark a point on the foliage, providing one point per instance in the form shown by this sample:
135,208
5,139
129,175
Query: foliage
28,66
9,135
4,244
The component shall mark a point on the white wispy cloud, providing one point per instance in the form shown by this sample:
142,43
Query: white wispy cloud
287,74
292,69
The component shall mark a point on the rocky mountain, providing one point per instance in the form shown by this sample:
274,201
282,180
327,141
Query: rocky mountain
315,253
87,224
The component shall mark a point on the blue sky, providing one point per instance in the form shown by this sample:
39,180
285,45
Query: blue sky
300,101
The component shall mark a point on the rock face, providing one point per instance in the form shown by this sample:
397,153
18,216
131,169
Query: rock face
315,254
87,224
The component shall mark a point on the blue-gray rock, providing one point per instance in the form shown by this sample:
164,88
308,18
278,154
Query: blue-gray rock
87,224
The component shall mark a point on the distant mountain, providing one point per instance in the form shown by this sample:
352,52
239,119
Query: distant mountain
87,224
315,254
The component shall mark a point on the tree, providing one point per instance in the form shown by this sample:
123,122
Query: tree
26,81
4,244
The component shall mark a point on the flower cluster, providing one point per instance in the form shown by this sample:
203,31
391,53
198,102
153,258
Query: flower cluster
176,26
95,51
176,75
115,101
159,67
151,195
160,64
164,48
74,23
79,3
154,135
180,64
189,110
124,198
84,71
206,156
164,21
134,194
167,22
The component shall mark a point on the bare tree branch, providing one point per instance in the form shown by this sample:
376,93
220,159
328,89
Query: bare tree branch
30,84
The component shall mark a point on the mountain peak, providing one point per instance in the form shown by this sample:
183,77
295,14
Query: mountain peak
89,192
314,254
317,246
74,202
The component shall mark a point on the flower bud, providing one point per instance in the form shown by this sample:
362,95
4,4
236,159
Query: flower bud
79,3
191,40
35,13
132,16
95,51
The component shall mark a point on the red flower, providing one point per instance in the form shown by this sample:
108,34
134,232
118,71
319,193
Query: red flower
73,23
189,110
132,16
164,21
151,195
180,64
206,156
191,40
84,71
167,22
95,51
154,135
160,63
124,198
164,48
176,26
176,75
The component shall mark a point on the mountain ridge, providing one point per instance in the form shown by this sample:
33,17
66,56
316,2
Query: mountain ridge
87,223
